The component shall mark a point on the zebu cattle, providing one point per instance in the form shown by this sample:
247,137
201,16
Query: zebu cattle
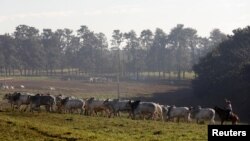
97,79
143,108
42,100
18,99
10,99
94,106
5,87
59,105
159,111
69,104
12,87
52,88
179,112
115,106
201,114
165,112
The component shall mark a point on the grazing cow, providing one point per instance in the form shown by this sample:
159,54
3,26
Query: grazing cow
69,104
22,86
179,112
97,79
5,87
94,106
52,88
115,106
42,100
18,99
91,79
201,114
143,108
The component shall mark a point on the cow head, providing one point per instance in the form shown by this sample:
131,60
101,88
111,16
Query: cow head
64,101
7,96
135,104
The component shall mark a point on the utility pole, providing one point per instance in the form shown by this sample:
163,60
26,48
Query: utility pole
118,74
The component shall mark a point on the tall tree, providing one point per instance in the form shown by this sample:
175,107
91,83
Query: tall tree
146,41
157,51
50,42
87,52
29,48
8,53
133,47
102,46
117,39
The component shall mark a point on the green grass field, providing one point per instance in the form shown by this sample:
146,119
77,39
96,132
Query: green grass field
50,126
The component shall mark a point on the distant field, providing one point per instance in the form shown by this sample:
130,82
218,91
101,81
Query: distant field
51,126
83,89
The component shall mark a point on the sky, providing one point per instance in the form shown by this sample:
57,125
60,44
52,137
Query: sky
107,15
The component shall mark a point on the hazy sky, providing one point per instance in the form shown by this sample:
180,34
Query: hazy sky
107,15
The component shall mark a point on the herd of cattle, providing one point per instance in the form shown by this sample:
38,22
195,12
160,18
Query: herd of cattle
107,107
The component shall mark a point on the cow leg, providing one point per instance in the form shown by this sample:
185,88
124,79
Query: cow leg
129,115
222,122
18,106
82,110
26,107
31,109
133,115
212,122
162,118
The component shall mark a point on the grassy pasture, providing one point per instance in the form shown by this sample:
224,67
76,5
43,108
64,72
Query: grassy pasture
25,126
51,126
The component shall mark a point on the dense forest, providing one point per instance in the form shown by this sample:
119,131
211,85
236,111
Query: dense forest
28,51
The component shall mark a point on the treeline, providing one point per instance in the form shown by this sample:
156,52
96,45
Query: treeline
30,52
226,69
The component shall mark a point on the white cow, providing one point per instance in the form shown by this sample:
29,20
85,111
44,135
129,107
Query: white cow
12,87
179,112
144,108
202,114
52,88
159,111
